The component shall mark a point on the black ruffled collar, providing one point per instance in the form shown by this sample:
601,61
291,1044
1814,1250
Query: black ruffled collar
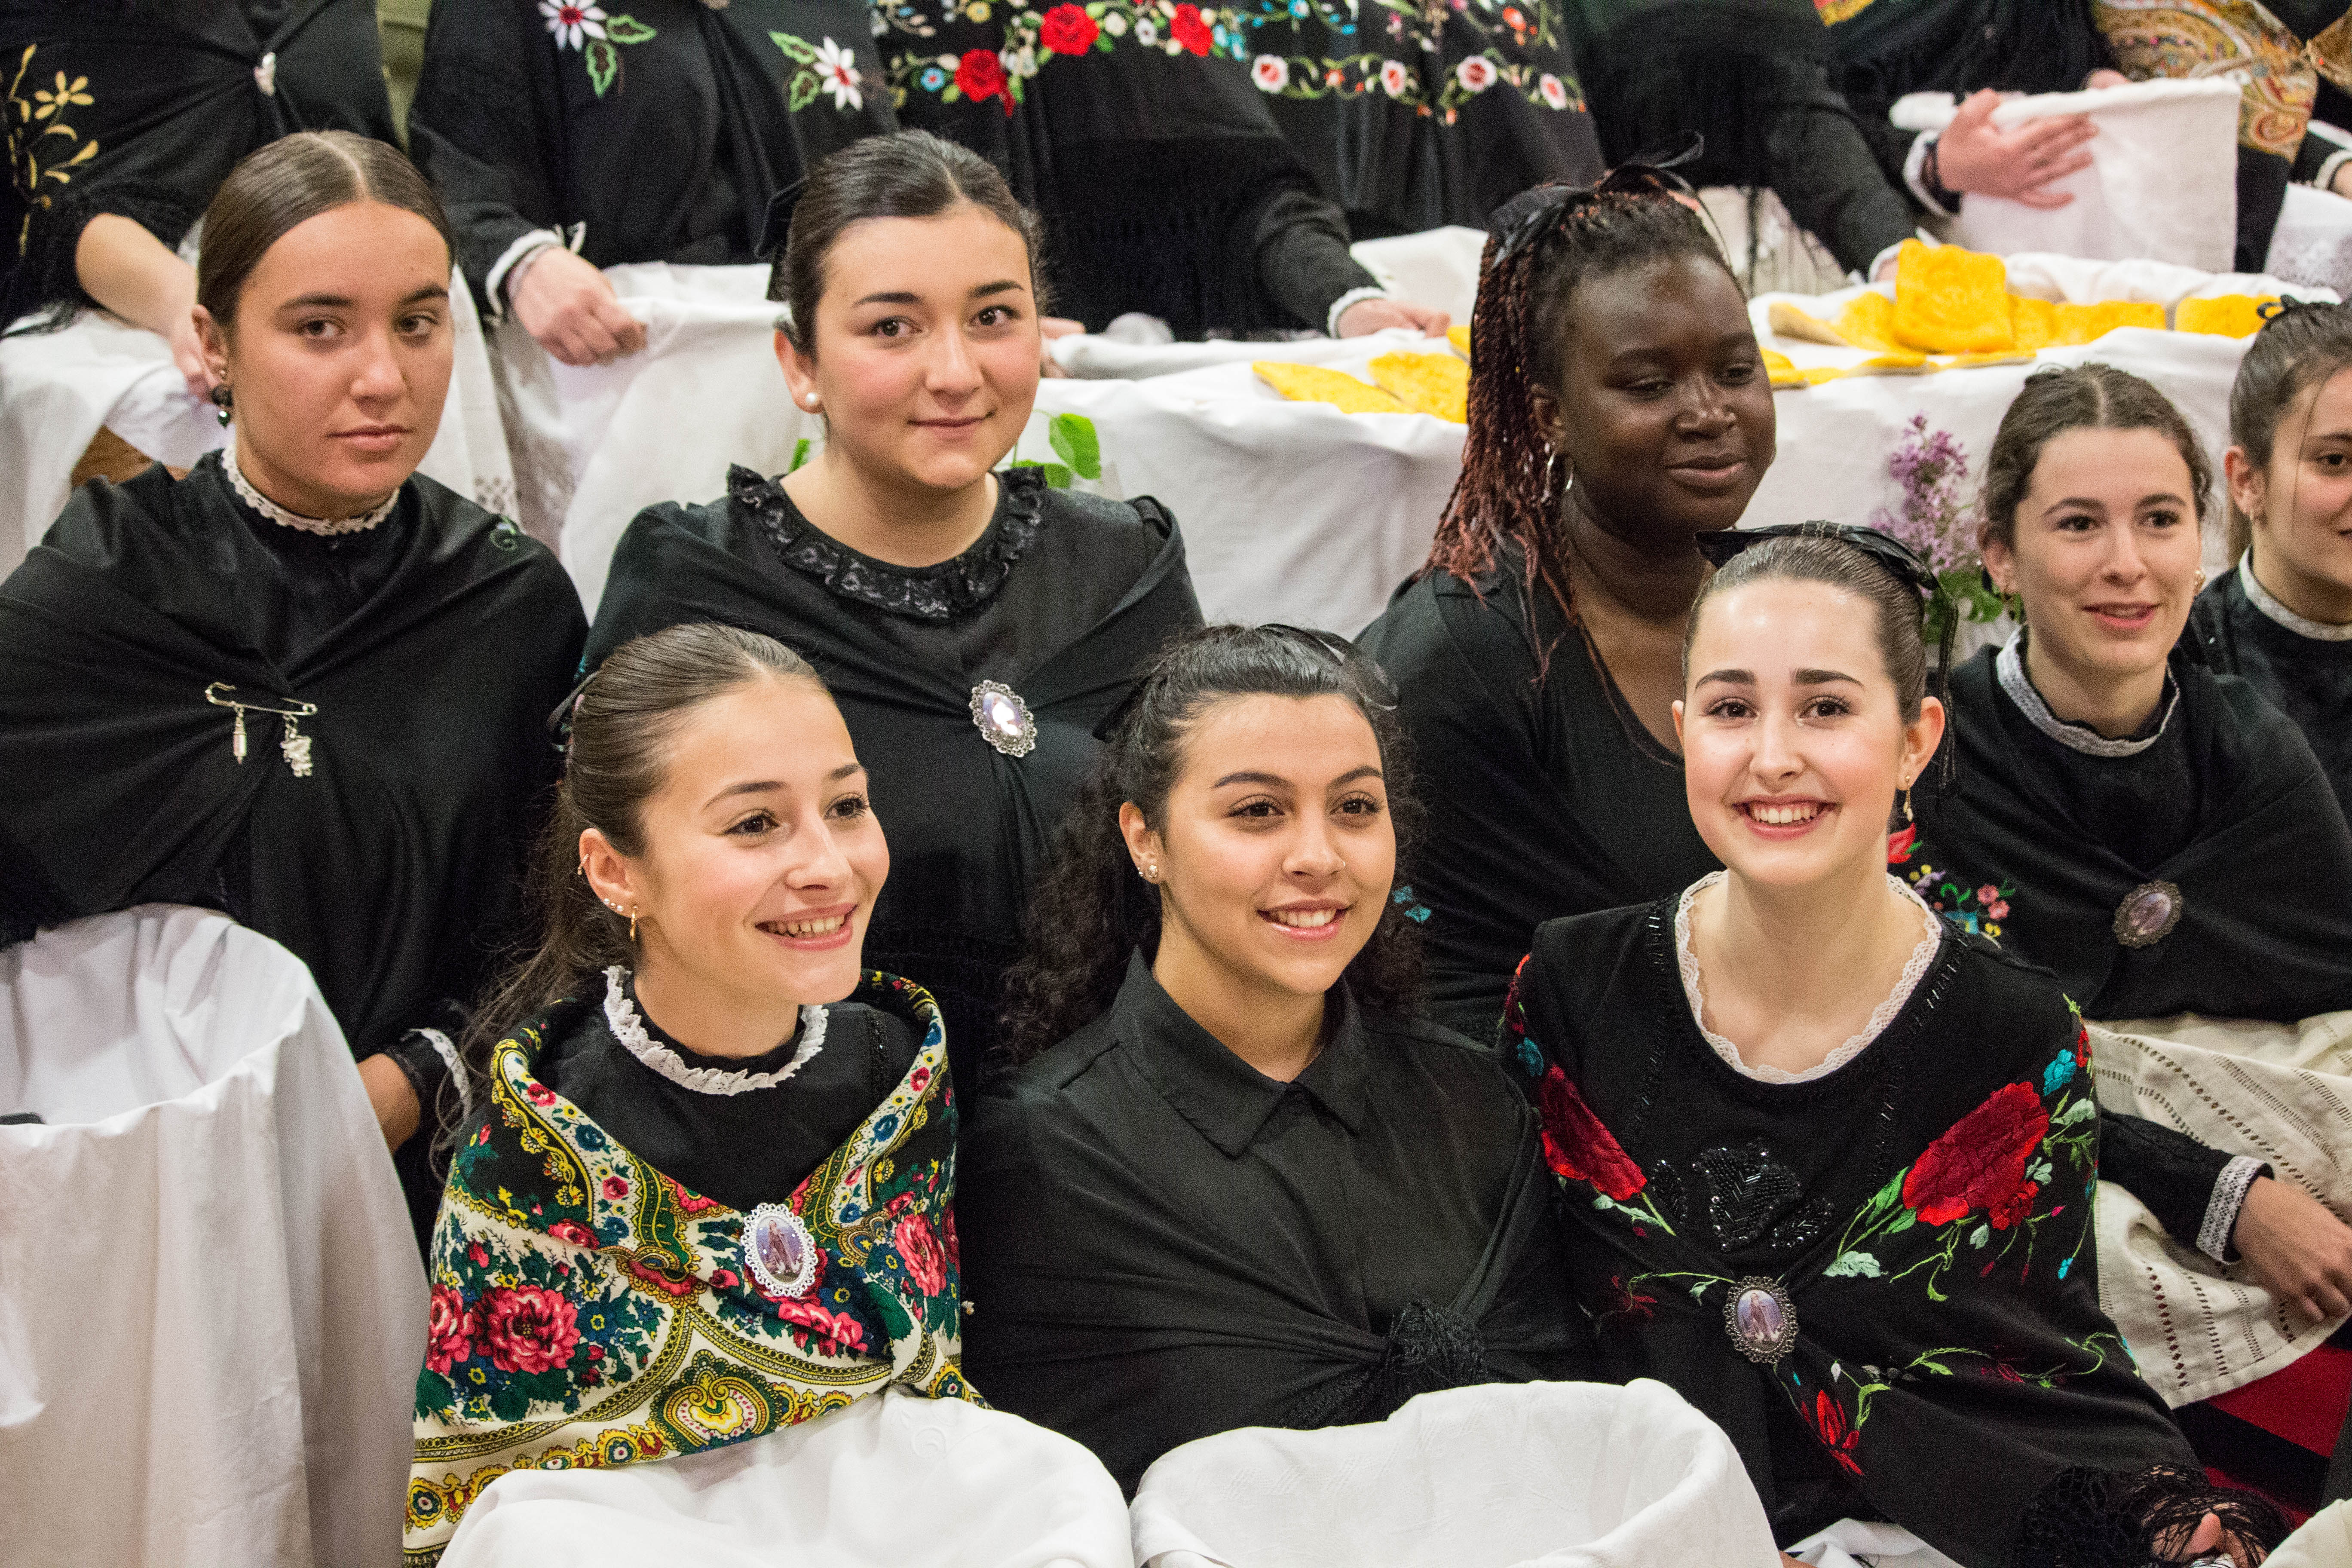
935,594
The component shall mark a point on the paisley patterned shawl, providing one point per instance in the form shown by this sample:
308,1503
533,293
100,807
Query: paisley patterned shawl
589,1310
1940,1269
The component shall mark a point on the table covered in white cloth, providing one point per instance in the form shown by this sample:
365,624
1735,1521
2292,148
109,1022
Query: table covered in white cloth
893,1480
1535,1475
58,389
212,1311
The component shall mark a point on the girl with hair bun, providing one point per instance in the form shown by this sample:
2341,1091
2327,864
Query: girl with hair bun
305,685
1829,1159
1230,1179
974,623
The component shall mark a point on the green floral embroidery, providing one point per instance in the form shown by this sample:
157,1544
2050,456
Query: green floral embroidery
822,66
46,108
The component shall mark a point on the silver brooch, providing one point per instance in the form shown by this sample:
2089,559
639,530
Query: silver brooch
292,744
2148,913
1761,1318
778,1250
1003,720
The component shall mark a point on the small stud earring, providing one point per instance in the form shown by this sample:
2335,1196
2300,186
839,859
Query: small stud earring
222,401
810,400
2199,586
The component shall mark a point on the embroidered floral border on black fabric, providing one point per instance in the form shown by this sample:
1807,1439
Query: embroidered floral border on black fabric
935,594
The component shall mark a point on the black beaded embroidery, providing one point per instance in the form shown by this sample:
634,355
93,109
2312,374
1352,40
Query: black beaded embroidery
935,594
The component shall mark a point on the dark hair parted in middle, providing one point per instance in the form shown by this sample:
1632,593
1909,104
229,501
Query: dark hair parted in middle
907,173
2301,344
1510,487
291,181
1092,910
2080,397
1897,608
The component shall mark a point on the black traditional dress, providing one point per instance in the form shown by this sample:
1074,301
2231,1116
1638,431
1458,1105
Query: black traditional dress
1751,76
1880,1279
972,688
1134,130
646,1253
2202,867
142,108
657,134
2301,667
1161,1243
381,837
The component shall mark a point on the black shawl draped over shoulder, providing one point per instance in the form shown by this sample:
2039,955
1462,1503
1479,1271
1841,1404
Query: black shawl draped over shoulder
2305,676
1161,1244
2264,877
140,109
970,827
392,868
1924,1212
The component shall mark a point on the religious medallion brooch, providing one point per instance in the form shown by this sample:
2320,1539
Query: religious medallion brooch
1003,720
2148,913
1761,1318
778,1250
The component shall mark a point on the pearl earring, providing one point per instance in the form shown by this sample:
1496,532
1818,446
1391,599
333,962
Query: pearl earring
810,400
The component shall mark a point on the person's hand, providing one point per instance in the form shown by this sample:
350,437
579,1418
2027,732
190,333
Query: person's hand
1371,315
1048,329
568,307
2104,77
2296,1249
1975,157
393,1098
2208,1538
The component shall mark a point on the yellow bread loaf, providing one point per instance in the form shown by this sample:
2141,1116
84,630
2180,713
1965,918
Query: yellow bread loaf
1315,383
1950,300
2224,315
1429,384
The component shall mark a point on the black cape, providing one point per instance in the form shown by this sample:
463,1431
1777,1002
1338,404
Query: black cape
1925,1209
2264,873
662,141
162,99
1159,1243
970,827
2307,678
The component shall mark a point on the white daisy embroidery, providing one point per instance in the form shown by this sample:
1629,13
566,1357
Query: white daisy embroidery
571,23
836,71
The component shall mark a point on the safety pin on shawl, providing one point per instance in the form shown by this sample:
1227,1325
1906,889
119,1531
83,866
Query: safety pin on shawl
293,745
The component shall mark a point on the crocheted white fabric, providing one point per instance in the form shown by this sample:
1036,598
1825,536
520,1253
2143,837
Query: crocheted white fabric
630,1030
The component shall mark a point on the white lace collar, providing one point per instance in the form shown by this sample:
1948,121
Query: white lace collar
630,1030
2262,599
295,519
2009,667
1914,969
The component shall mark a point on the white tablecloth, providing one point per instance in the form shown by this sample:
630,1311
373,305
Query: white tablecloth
211,1307
58,389
894,1480
1540,1474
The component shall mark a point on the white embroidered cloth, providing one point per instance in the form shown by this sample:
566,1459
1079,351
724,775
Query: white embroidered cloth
211,1307
1531,1474
2281,1092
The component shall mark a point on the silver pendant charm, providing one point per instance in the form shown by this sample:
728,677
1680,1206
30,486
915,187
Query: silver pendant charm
237,738
778,1250
2148,913
296,748
1760,1318
1003,720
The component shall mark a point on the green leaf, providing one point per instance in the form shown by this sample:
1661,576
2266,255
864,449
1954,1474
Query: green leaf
603,64
1057,477
2039,1172
1979,1236
1902,1222
2082,1110
805,90
1698,1291
1853,1266
1074,443
800,455
627,30
799,50
950,93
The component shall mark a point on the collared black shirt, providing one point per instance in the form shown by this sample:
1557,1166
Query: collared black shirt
1162,1243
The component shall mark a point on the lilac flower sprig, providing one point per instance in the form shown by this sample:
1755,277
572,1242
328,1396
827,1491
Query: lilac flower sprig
1936,519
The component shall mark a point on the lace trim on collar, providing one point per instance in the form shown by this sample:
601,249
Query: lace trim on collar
277,514
1914,969
629,1029
2009,667
935,594
2301,625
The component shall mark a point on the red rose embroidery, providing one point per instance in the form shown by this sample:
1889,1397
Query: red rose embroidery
2011,1210
528,1329
1066,30
572,1231
1836,1434
1899,845
1979,1161
539,1094
616,1188
1188,29
1576,1145
982,76
919,1249
450,1338
834,1332
955,1247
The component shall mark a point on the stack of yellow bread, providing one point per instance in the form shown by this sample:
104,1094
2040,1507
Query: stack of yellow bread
1403,383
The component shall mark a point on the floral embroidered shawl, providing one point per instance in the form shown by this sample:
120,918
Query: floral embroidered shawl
588,1311
1922,1215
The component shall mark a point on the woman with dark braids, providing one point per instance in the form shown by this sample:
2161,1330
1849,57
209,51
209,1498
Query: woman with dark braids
1230,1180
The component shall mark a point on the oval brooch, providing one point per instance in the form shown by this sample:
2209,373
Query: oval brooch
778,1250
1760,1318
1003,720
2148,913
